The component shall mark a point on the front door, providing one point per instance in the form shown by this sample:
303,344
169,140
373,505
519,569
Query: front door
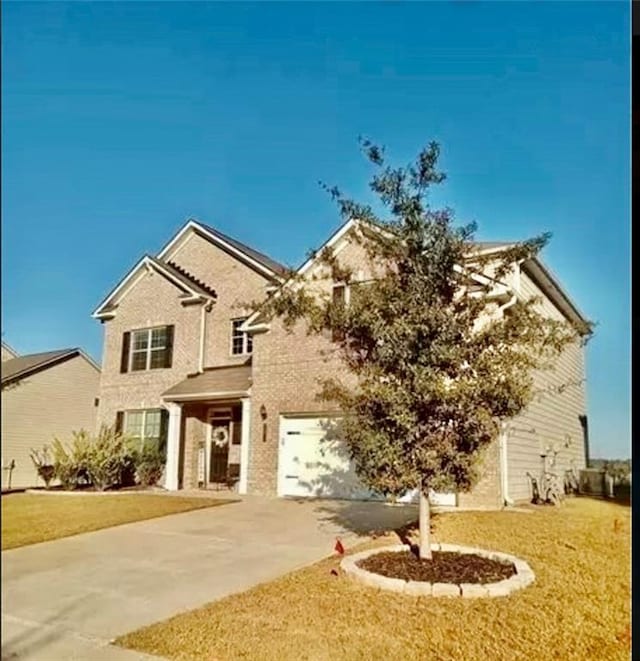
218,451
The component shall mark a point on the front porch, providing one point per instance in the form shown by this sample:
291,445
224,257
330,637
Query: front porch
208,430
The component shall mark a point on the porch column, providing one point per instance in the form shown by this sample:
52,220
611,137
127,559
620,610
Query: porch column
173,446
244,444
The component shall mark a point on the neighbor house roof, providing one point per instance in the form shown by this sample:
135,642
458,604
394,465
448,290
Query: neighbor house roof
9,349
23,366
217,382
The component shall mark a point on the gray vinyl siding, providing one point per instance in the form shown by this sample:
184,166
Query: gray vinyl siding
53,402
551,418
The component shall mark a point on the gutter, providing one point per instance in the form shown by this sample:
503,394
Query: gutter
203,325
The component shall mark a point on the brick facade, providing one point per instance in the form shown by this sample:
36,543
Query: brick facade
286,366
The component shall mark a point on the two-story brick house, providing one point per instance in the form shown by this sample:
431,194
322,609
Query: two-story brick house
234,398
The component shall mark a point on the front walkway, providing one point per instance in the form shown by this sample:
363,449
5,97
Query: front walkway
67,598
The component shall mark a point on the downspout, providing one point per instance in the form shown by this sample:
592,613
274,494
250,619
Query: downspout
203,327
504,435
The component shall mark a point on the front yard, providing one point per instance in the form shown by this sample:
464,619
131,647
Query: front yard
31,518
578,608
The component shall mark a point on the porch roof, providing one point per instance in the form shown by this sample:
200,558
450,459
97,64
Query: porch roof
213,383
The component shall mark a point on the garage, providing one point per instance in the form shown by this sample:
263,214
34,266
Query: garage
313,462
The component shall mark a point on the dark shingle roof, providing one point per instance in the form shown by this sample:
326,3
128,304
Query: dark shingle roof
214,381
23,365
259,257
185,277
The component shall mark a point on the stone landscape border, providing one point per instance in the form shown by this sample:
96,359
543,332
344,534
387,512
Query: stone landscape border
524,575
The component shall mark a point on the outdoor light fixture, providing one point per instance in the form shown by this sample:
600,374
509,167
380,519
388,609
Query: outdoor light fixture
263,415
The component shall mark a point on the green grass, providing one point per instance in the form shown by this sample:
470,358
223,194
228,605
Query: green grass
578,608
33,518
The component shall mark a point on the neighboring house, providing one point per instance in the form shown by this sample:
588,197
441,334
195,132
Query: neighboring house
8,352
43,395
187,363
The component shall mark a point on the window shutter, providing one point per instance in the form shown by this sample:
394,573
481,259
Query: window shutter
168,354
124,358
119,422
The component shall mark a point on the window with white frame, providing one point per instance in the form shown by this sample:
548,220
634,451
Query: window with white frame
147,427
150,348
241,342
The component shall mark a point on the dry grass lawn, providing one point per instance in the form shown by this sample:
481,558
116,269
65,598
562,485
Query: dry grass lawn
31,518
578,608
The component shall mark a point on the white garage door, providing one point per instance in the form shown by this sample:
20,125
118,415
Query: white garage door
314,462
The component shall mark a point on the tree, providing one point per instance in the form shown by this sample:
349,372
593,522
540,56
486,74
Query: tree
439,354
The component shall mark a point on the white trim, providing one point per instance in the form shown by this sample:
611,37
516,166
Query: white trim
148,350
254,327
114,292
242,256
173,447
204,395
150,265
243,484
333,239
245,339
10,349
179,247
203,321
90,360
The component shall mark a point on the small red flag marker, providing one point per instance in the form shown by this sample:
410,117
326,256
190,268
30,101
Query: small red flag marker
338,547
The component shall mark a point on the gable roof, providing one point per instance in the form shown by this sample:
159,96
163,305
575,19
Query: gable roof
257,260
23,366
534,267
265,260
190,286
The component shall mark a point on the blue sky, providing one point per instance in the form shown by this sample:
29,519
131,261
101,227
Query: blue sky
120,120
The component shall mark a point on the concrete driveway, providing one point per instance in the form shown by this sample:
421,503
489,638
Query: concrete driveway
68,598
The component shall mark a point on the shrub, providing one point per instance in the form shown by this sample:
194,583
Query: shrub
110,458
104,460
43,464
71,463
149,466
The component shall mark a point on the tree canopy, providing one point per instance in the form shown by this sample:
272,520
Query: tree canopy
441,353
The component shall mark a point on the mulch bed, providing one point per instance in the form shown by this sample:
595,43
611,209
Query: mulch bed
444,567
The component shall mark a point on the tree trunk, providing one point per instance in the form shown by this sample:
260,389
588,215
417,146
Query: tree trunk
425,527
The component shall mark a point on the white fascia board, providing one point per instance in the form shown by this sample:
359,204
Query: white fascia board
194,225
90,360
122,289
333,239
206,395
118,288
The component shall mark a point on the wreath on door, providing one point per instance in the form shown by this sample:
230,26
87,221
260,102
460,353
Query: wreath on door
220,436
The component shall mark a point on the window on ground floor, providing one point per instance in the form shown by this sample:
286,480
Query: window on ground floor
147,428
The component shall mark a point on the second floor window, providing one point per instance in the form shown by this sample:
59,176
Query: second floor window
241,343
147,349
